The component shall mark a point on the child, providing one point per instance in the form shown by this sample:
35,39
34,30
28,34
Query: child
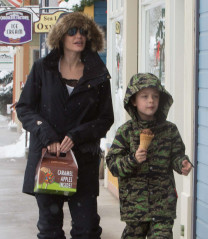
146,182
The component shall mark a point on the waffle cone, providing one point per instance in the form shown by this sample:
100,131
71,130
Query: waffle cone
145,141
11,40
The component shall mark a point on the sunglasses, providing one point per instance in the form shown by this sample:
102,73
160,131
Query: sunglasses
73,31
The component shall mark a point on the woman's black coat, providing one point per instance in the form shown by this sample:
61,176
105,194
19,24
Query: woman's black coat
48,112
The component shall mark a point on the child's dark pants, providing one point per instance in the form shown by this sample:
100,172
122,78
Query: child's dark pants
153,230
83,209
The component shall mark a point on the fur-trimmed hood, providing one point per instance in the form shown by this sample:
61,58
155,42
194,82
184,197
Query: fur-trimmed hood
95,36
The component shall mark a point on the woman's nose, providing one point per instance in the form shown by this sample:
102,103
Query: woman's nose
78,33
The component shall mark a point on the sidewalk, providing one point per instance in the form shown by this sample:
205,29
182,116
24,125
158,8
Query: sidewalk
19,212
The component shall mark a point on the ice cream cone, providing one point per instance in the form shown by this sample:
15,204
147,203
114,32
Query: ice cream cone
11,40
146,137
145,141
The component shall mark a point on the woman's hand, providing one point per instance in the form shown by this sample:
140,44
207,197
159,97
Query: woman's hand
66,144
141,155
54,148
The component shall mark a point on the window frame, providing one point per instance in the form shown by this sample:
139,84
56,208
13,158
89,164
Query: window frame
144,7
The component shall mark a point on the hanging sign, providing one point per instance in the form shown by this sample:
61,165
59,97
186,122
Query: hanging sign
46,22
15,27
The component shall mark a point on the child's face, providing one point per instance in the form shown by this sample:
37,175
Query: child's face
147,102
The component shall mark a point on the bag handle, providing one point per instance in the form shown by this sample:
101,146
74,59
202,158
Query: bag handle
67,156
62,155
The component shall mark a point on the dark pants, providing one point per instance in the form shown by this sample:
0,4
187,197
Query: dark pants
83,209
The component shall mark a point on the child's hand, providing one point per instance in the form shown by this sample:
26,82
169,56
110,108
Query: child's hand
186,167
141,155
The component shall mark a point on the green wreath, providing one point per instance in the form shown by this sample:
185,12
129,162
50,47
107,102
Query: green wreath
82,5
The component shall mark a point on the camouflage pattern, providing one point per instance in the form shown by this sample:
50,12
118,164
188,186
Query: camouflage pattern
147,190
159,230
141,81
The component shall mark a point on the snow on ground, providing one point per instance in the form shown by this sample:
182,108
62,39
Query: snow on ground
3,121
14,150
17,149
3,118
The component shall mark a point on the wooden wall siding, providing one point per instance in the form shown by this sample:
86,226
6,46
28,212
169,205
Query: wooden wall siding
100,13
100,17
203,116
202,156
203,6
203,76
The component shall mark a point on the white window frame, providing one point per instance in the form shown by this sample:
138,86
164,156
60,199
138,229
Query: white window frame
144,6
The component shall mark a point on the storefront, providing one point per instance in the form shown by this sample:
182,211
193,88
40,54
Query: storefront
156,36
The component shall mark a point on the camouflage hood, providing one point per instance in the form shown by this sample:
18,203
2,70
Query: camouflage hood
141,81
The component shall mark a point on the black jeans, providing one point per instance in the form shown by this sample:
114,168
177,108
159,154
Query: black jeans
83,209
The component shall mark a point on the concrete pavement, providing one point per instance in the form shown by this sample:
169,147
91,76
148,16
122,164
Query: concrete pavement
19,212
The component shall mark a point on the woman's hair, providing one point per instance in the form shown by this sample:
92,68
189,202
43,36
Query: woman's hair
95,35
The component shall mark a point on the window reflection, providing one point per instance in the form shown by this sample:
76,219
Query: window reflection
155,41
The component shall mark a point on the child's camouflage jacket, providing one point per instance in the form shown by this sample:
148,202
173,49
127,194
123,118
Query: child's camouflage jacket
147,190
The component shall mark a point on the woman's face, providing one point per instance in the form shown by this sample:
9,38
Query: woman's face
75,40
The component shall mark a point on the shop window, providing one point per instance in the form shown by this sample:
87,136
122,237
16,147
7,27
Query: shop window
153,42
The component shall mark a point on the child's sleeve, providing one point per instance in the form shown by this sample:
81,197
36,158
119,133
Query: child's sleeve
178,151
121,162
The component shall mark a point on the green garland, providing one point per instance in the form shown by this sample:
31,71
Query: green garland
82,5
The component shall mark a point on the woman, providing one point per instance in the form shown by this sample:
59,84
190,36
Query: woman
66,104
